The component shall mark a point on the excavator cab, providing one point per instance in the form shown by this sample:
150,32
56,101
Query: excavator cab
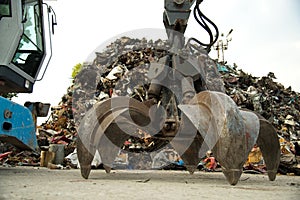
25,48
22,44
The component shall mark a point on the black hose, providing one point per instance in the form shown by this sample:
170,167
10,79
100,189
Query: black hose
212,23
202,22
203,25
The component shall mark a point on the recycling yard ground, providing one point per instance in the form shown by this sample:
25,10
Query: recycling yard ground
43,183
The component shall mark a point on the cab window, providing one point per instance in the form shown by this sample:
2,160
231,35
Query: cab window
5,8
30,52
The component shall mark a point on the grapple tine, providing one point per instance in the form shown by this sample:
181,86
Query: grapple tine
108,148
114,137
269,144
227,129
181,143
247,141
101,121
85,158
85,149
191,155
108,152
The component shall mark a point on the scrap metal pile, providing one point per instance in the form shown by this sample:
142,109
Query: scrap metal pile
12,156
112,75
273,101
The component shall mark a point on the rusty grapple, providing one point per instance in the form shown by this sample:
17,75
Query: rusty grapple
186,107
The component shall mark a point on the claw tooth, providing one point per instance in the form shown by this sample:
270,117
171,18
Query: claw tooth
85,171
188,144
191,168
189,154
107,169
272,174
232,175
108,158
85,159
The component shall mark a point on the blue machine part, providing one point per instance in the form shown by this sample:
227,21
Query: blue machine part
17,125
222,68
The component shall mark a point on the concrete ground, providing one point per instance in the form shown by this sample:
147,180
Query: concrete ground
42,183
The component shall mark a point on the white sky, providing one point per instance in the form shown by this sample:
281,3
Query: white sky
266,36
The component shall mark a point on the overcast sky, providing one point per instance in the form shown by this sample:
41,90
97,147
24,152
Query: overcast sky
266,36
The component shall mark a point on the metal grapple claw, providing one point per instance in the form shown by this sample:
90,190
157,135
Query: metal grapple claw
85,149
211,121
188,142
105,127
230,133
269,144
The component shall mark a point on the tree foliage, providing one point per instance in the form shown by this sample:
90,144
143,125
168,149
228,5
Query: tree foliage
76,70
9,95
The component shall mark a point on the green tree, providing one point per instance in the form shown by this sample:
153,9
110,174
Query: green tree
76,70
